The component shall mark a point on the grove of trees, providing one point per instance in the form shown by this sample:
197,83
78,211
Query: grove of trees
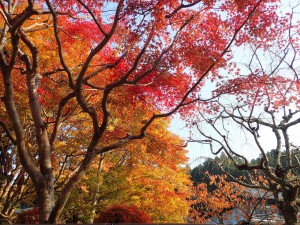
87,86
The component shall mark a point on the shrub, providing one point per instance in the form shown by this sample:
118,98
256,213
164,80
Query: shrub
30,216
123,214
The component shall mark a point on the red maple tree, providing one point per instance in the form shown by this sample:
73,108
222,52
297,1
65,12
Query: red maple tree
64,65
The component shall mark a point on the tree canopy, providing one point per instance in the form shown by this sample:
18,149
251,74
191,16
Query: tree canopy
80,79
255,109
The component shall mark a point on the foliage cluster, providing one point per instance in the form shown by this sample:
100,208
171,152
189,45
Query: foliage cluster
150,175
123,214
225,202
30,216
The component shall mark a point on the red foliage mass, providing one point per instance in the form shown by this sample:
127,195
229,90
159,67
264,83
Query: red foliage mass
123,214
30,216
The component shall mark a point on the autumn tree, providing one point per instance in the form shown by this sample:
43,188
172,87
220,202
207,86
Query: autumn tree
149,173
229,202
280,179
65,64
259,113
220,198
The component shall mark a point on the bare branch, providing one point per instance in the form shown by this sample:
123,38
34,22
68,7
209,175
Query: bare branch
60,50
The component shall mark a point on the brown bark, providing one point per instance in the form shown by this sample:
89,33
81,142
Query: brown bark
289,207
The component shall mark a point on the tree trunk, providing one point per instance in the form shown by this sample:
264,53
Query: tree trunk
289,206
96,194
45,195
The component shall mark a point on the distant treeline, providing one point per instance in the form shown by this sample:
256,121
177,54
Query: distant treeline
212,166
